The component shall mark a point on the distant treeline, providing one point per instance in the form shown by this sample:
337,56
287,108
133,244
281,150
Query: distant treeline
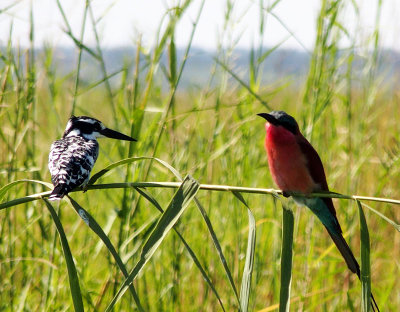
289,64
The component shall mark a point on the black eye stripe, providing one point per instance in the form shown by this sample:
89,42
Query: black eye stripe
87,127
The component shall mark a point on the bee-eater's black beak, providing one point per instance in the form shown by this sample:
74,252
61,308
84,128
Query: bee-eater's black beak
270,118
115,135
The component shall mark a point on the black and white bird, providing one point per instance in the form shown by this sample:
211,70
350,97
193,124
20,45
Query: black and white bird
72,158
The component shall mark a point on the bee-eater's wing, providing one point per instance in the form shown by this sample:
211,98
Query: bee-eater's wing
316,170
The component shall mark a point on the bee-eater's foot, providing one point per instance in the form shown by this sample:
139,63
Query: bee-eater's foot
84,188
285,194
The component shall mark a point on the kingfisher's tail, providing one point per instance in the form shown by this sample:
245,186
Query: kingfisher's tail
58,192
351,261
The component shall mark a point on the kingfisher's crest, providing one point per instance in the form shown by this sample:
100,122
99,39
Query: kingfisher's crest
84,126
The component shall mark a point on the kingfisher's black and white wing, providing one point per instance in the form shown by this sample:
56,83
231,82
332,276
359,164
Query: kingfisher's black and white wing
71,160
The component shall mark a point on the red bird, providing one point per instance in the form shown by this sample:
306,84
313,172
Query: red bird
296,167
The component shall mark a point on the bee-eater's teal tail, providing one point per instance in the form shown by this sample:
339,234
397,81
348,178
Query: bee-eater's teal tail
320,209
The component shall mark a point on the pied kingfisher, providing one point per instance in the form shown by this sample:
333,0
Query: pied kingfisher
71,158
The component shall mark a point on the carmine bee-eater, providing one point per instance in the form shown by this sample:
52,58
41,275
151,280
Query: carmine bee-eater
72,158
296,167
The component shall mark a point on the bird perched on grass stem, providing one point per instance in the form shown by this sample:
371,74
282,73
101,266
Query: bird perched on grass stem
72,158
296,167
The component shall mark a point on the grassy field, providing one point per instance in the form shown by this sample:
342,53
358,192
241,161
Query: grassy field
214,135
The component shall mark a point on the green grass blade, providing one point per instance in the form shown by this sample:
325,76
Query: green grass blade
249,262
239,196
195,259
365,262
149,197
286,259
5,188
218,248
80,45
177,206
7,8
394,224
22,200
79,60
245,85
95,227
72,274
24,294
129,160
97,83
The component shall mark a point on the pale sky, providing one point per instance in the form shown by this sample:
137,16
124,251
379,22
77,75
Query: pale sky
122,20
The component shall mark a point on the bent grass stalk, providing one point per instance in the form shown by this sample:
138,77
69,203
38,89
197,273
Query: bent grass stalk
207,187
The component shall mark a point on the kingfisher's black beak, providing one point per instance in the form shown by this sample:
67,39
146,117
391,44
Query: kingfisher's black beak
115,135
270,118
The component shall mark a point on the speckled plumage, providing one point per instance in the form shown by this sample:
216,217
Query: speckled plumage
71,160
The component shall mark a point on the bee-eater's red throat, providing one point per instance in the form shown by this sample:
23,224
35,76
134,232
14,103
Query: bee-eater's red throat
296,167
